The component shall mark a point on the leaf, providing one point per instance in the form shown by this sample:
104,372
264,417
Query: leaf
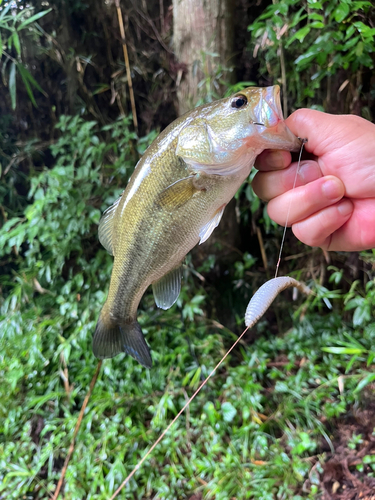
316,17
341,11
370,358
315,5
4,12
33,18
343,350
350,43
23,72
352,360
12,84
370,377
196,378
16,42
27,78
359,49
33,82
317,25
308,56
349,32
229,411
361,27
302,33
362,314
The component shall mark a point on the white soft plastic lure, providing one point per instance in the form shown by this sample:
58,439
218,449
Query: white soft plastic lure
266,294
261,301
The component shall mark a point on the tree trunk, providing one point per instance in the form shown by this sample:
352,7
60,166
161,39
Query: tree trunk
201,28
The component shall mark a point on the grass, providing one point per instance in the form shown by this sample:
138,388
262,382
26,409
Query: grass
261,426
254,431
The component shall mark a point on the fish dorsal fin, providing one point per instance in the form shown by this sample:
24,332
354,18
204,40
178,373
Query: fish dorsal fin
106,227
167,289
178,193
208,228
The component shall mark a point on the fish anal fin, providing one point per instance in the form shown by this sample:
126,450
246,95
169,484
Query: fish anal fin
167,289
178,193
110,340
208,228
106,227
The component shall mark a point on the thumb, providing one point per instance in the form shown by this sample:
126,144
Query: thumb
323,131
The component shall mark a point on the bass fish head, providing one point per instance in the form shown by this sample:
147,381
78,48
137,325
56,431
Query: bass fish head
222,136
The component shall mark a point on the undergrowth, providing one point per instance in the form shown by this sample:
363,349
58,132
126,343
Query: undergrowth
259,429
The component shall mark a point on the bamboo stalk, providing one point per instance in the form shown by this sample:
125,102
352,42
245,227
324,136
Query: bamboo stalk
127,65
161,7
76,429
262,249
283,79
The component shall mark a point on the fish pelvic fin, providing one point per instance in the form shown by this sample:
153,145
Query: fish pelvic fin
111,339
167,289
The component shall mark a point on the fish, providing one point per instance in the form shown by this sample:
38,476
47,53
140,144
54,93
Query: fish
174,200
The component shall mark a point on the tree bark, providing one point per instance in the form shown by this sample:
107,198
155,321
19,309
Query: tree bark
201,28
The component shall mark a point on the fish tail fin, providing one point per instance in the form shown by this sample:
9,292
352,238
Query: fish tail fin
111,339
134,344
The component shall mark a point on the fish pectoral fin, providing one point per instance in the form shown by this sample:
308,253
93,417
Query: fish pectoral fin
106,227
194,142
208,228
178,193
110,340
167,289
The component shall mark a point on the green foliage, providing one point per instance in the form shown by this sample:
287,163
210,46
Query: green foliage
255,428
66,201
249,432
13,26
312,41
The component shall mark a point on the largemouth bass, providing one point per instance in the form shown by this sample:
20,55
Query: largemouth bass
174,200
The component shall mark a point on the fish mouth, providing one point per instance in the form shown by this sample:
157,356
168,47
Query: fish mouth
267,111
276,94
269,117
272,105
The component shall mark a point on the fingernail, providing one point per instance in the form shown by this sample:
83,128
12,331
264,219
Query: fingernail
309,171
345,208
332,189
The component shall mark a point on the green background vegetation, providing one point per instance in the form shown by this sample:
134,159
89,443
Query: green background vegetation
264,425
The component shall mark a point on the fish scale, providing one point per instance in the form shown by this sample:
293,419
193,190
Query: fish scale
174,200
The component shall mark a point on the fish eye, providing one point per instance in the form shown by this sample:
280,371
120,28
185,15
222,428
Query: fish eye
239,102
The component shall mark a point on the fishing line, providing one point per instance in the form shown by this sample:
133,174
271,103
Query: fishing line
176,417
252,323
303,142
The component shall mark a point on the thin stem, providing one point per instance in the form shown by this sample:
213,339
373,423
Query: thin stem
127,65
127,479
76,429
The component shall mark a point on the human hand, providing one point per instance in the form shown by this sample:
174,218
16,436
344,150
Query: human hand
333,204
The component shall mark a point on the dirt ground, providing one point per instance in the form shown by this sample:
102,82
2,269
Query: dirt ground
340,479
353,438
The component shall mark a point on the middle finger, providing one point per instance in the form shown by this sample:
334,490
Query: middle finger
268,185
